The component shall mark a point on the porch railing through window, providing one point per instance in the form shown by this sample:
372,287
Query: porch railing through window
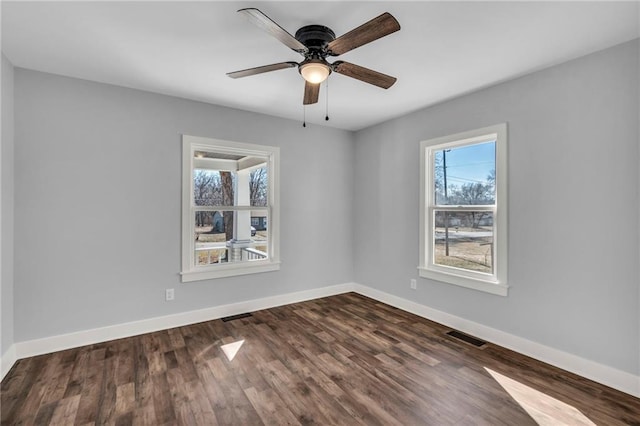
253,254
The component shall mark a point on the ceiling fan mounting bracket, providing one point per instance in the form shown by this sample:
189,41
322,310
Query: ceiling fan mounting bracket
315,38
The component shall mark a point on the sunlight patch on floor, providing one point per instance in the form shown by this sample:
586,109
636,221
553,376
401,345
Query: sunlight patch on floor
544,409
231,349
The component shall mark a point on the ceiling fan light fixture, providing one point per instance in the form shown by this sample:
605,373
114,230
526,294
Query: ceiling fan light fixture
314,71
315,43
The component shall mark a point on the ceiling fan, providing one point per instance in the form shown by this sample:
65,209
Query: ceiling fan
316,43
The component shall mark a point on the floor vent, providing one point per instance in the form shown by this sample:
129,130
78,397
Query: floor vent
235,317
466,338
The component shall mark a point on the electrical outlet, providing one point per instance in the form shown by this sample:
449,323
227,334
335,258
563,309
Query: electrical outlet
413,284
169,294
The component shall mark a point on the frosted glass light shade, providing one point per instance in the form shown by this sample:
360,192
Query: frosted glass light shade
314,72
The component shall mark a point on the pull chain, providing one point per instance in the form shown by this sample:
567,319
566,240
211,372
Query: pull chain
304,116
326,117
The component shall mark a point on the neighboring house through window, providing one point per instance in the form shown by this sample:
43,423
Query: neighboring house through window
463,209
226,188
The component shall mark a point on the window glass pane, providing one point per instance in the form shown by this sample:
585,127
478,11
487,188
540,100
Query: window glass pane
465,175
464,240
210,238
215,241
259,220
213,188
210,255
210,225
221,179
258,185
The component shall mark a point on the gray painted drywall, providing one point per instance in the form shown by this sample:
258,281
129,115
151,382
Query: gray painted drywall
97,179
6,208
98,184
573,206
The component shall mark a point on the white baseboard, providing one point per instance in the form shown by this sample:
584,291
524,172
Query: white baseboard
118,331
617,379
8,359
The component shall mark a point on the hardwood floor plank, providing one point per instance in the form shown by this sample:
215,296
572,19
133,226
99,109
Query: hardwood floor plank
200,405
124,419
57,383
162,399
125,398
145,415
143,389
270,408
180,397
77,374
15,390
232,406
329,398
123,362
365,389
31,403
175,338
293,392
217,398
66,411
403,349
186,364
45,413
106,393
89,378
341,360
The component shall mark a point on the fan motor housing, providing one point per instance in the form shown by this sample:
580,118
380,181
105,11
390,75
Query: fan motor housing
315,37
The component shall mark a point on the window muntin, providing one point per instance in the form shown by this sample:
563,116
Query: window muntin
463,209
225,185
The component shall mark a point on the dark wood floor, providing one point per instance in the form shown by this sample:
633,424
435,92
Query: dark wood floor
339,360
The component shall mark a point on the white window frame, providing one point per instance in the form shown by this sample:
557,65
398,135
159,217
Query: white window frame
191,272
495,283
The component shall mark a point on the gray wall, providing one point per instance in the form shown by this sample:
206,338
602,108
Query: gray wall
573,206
97,205
6,208
98,183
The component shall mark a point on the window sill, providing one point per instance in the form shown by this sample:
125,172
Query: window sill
496,288
230,270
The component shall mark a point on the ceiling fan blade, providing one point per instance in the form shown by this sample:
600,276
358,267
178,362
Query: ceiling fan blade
376,28
311,93
260,70
363,74
265,23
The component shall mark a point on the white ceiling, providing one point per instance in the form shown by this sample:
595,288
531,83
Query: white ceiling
184,49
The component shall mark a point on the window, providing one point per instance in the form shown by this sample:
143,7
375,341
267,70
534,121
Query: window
226,188
463,209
